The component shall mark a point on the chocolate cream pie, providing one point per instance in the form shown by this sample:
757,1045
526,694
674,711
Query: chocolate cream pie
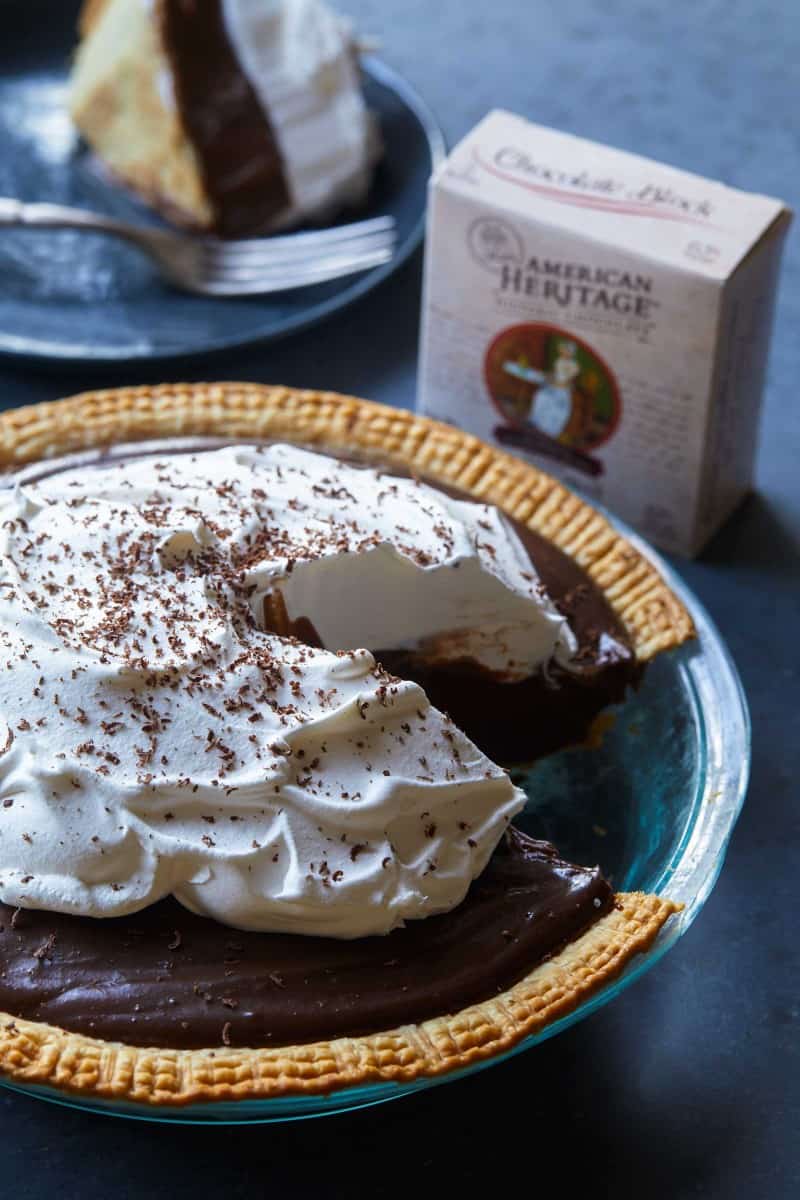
230,116
242,853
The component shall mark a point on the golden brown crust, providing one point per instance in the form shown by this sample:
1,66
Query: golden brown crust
654,618
42,1054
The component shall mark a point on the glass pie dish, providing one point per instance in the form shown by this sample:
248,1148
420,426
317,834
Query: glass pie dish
654,804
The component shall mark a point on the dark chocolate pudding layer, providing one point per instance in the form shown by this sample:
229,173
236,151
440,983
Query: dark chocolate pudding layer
518,722
239,158
166,977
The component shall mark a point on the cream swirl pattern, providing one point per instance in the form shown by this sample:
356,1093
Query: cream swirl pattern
159,739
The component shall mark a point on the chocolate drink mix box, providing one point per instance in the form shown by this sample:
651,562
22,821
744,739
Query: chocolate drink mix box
605,316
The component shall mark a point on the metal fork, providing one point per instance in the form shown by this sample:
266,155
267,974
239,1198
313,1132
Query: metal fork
212,267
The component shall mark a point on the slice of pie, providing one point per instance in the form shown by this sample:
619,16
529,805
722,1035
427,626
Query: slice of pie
242,850
231,116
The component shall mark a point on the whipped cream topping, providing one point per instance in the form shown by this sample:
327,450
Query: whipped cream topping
300,59
389,563
158,739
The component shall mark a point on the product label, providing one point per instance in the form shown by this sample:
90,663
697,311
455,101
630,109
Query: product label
547,335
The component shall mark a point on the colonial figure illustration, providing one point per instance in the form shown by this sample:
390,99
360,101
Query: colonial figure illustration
556,395
552,399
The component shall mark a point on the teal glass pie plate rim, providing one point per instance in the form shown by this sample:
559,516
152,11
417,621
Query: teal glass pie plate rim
716,726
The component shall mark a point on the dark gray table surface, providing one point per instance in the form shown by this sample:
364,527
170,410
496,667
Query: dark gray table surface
689,1084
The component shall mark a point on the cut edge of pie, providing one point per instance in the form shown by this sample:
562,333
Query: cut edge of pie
37,1054
653,616
40,1054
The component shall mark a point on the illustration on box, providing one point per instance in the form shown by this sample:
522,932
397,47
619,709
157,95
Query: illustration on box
556,396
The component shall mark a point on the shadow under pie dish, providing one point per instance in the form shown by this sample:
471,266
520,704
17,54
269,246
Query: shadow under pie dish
201,1038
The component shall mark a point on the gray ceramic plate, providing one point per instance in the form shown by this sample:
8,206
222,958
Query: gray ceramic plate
76,297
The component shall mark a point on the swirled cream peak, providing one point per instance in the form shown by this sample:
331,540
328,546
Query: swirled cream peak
158,738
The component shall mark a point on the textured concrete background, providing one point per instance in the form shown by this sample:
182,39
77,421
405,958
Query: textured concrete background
687,1086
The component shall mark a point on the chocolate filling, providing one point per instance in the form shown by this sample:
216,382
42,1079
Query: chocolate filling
239,157
166,977
518,722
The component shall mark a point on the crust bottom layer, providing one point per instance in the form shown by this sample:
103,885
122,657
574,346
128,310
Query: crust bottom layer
43,1054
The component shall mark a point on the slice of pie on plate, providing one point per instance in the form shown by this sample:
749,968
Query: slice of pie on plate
231,116
242,851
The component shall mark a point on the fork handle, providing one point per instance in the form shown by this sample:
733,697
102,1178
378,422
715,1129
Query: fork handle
59,216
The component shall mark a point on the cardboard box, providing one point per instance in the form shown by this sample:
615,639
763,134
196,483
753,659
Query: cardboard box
605,316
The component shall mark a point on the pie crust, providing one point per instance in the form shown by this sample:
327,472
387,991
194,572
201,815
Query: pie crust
655,619
43,1054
